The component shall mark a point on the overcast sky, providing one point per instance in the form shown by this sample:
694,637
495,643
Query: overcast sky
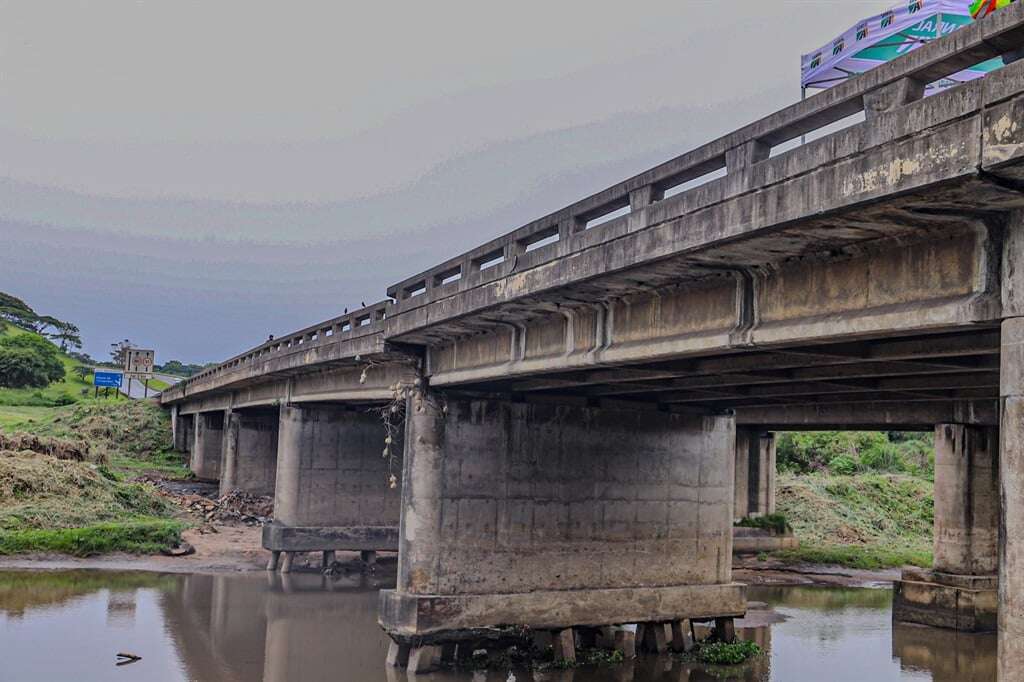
196,175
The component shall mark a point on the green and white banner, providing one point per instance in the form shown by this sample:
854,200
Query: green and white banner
888,35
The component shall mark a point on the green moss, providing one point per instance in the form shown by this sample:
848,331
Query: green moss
774,522
143,536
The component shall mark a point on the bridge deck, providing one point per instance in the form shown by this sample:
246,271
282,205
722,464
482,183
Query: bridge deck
858,269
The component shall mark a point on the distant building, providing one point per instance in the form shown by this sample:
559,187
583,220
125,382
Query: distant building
138,361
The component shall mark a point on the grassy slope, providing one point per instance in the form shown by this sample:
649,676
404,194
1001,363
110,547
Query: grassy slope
863,521
82,508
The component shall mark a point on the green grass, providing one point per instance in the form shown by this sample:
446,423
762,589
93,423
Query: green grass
142,536
168,464
866,558
866,521
23,417
158,385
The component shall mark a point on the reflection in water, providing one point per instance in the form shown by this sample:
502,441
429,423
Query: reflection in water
69,625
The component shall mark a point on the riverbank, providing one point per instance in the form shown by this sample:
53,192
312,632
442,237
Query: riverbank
236,548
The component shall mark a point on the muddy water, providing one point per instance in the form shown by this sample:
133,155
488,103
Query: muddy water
70,626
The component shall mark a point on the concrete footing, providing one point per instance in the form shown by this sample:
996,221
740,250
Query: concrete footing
444,617
754,540
958,602
290,540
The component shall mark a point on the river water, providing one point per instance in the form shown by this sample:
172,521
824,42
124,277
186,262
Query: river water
69,625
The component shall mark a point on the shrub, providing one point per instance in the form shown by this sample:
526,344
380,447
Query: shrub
843,465
883,457
29,361
722,653
774,522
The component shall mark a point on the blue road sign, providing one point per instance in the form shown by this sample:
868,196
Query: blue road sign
107,379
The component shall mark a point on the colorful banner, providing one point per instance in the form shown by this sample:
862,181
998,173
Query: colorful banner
888,35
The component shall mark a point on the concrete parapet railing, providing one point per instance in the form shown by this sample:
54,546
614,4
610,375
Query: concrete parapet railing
347,328
569,229
744,156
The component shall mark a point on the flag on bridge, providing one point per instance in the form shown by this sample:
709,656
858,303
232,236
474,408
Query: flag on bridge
892,33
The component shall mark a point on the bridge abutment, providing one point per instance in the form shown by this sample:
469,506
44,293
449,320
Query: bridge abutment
332,490
208,445
553,516
250,451
959,592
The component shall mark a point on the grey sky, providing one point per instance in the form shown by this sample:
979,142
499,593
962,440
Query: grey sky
195,175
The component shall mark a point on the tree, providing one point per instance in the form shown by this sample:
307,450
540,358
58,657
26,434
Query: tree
83,371
29,361
68,335
17,312
44,322
118,351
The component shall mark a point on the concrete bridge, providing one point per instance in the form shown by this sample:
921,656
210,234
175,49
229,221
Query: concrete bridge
588,399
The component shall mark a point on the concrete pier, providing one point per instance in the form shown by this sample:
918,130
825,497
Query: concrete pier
960,590
755,473
182,431
332,490
250,451
208,445
555,516
1011,456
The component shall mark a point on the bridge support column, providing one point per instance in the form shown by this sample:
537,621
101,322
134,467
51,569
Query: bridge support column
250,452
755,493
208,445
959,592
182,430
755,473
1011,456
332,490
554,516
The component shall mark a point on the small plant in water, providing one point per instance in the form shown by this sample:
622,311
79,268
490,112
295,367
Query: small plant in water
723,653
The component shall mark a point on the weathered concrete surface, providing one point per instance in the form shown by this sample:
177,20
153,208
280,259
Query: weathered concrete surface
182,430
331,475
966,500
960,592
207,445
250,452
1011,458
411,616
590,512
280,538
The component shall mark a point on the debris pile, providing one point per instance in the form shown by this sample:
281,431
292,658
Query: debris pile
240,507
61,448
